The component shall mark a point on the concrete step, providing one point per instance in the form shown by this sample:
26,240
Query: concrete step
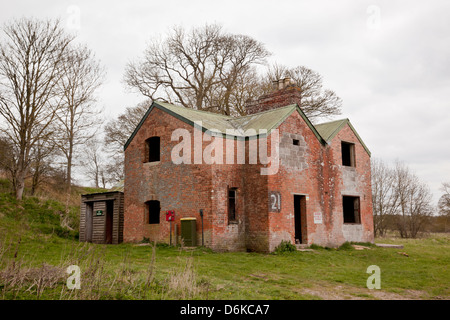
384,245
302,247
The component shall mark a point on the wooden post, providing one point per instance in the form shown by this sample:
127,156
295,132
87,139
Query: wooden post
175,235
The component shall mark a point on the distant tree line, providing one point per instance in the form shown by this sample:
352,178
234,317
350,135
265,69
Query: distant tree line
402,203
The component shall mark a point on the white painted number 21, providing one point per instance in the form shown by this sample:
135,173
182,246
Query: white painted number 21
276,201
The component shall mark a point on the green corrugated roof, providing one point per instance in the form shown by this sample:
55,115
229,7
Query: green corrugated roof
213,121
329,130
268,120
209,120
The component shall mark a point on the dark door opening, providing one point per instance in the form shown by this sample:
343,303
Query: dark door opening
88,221
109,221
299,217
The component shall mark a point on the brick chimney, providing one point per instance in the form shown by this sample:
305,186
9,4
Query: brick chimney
284,93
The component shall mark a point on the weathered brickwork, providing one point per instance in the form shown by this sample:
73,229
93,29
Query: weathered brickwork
280,98
310,171
185,188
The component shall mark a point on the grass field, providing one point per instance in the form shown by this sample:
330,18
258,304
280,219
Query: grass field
35,253
35,268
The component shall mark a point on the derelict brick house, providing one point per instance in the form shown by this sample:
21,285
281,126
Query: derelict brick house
320,192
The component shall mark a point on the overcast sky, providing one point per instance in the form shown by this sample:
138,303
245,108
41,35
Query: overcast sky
388,60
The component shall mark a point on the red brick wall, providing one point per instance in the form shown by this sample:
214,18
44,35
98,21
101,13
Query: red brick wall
310,169
353,181
320,176
185,188
303,177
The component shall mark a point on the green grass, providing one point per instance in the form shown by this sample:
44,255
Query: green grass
34,255
321,274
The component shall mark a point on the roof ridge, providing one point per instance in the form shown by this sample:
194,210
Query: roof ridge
190,109
223,115
266,111
339,120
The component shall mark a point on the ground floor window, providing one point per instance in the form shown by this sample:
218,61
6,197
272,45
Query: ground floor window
152,211
351,209
232,192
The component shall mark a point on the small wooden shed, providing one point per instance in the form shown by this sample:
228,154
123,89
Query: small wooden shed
101,217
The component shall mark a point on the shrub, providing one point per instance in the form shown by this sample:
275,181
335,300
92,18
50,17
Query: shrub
346,246
285,246
145,240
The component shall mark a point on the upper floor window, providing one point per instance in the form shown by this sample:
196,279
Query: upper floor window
152,149
348,154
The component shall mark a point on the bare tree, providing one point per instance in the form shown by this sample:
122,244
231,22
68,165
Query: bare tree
31,58
444,203
8,159
244,53
208,69
400,200
414,202
385,201
78,119
316,102
247,86
41,167
117,132
198,69
94,163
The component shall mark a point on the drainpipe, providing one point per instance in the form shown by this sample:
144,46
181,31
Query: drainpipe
201,216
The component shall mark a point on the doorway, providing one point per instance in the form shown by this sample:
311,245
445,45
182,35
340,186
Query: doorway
88,221
300,218
109,221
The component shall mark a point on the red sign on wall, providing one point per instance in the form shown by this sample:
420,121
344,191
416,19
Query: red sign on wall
170,215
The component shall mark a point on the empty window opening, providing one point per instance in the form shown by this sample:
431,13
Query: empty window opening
152,149
296,142
232,204
152,211
351,209
348,154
